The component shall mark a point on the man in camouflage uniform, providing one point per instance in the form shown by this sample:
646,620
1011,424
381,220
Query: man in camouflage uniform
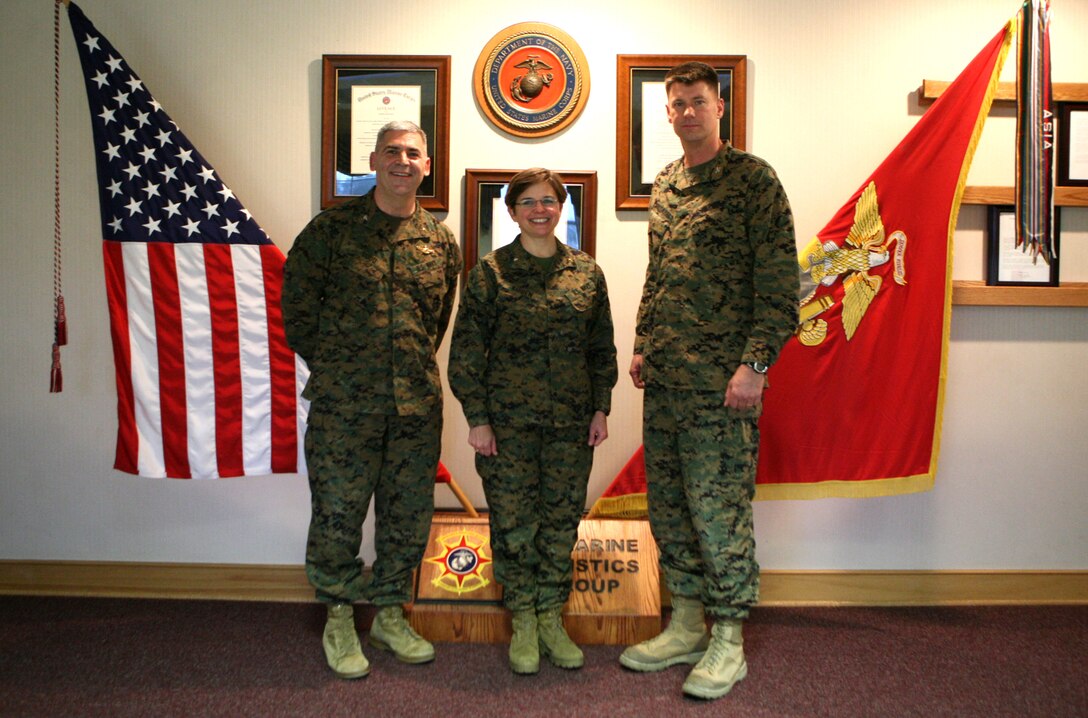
367,295
533,363
720,300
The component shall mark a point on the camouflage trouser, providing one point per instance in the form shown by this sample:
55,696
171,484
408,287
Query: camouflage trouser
393,459
536,493
700,474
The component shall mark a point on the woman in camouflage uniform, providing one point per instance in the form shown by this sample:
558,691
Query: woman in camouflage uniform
533,363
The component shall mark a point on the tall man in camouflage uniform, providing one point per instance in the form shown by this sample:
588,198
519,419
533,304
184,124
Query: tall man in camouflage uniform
368,291
720,300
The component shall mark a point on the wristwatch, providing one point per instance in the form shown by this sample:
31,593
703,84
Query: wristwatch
757,367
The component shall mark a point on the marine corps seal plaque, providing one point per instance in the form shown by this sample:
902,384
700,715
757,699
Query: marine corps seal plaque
531,80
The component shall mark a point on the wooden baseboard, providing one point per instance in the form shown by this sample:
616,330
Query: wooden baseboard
779,588
155,580
922,588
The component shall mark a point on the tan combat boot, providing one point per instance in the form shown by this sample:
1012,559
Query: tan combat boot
524,649
391,632
684,641
722,666
555,644
341,643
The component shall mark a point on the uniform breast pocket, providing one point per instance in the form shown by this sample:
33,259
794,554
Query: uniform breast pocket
359,292
515,302
430,278
659,225
429,273
368,269
578,299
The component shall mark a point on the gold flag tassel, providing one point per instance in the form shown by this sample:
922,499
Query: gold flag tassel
60,320
56,377
60,323
60,338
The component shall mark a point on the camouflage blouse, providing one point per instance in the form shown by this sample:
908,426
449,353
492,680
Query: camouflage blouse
533,347
366,300
722,280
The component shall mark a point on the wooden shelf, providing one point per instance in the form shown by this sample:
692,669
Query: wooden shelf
1063,196
1073,294
1006,91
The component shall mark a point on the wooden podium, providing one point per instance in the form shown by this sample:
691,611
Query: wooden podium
615,597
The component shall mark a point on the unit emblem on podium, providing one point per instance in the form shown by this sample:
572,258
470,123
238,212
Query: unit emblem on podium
461,557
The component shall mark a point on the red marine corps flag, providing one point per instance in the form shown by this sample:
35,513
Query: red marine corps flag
206,385
856,397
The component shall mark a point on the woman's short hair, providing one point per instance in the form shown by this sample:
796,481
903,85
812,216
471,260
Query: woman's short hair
526,178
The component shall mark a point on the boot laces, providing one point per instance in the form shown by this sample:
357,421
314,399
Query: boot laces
341,645
395,622
524,636
717,652
343,640
716,655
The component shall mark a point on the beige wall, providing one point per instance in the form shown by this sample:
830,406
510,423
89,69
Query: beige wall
831,91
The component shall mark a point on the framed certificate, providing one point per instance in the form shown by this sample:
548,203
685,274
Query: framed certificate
1009,265
1073,144
488,225
360,93
645,142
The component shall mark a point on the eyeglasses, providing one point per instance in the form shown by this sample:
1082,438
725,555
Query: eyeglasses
546,202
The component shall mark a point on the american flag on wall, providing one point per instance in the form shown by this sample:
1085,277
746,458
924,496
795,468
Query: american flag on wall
206,384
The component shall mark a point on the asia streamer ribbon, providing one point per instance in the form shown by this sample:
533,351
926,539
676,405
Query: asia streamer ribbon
206,384
1035,133
854,403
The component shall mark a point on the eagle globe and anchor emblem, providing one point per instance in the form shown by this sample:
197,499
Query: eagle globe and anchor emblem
531,80
866,247
461,558
525,87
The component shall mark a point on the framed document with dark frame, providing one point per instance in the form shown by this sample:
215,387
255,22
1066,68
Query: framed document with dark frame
1073,144
351,113
1009,265
488,226
633,72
